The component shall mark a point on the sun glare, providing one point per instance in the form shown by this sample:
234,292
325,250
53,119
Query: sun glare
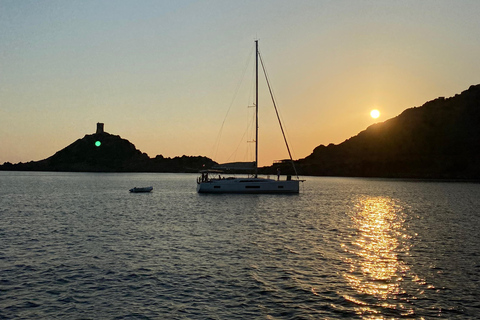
375,114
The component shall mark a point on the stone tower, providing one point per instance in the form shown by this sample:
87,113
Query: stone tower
99,128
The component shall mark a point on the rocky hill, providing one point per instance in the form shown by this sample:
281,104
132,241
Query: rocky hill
104,152
440,139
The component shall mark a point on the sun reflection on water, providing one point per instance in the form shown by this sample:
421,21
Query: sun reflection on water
375,269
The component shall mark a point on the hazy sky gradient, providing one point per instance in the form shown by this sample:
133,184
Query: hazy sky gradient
163,74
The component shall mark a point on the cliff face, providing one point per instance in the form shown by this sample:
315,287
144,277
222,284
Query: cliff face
440,139
104,152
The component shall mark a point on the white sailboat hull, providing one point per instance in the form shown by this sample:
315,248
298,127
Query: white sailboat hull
248,185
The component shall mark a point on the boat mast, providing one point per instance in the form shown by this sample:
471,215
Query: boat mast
256,108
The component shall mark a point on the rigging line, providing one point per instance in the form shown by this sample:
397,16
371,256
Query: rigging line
217,141
278,116
234,153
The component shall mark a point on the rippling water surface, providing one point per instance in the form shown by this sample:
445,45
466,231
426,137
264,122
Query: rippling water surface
80,246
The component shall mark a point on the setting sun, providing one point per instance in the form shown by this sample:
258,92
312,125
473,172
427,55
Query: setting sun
375,114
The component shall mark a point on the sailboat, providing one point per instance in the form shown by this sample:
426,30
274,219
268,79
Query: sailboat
211,181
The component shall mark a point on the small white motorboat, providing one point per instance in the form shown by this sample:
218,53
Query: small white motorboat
142,189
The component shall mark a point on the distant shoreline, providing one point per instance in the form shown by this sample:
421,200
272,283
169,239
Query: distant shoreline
313,176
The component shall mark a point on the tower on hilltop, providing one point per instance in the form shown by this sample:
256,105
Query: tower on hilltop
100,128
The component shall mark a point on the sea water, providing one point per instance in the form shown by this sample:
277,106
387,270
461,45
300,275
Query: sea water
80,246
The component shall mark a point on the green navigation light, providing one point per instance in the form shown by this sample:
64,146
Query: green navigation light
98,143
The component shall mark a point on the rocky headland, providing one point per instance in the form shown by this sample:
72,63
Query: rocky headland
439,140
105,152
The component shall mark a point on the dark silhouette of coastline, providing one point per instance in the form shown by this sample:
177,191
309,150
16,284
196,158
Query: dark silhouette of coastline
439,140
104,152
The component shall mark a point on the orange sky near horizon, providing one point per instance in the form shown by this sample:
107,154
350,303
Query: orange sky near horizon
163,74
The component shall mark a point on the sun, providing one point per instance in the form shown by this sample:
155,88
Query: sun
375,114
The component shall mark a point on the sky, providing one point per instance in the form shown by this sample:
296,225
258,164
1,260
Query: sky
175,77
